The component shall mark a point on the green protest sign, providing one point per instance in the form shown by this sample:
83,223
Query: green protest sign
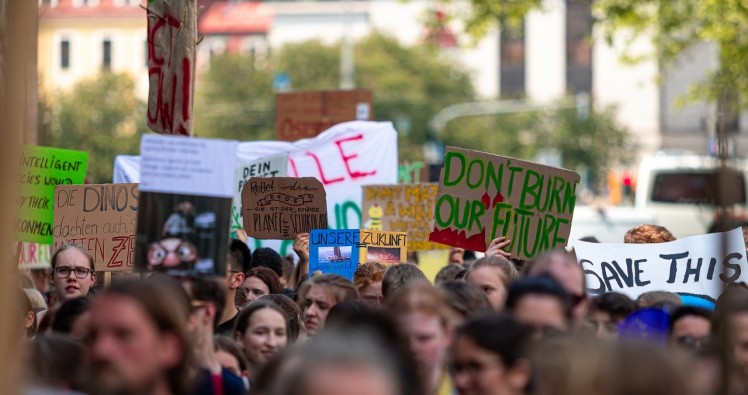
40,169
483,196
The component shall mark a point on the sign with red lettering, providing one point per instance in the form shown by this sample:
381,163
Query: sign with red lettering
282,207
344,158
300,115
33,255
102,218
484,196
172,38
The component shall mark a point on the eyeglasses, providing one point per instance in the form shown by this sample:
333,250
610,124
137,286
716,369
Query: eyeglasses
64,272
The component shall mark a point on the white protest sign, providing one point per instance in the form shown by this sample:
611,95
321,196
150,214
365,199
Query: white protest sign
187,166
344,158
695,265
270,166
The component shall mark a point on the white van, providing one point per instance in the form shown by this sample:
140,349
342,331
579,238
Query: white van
681,191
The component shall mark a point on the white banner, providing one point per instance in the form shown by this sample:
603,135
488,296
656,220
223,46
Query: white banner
187,166
271,166
344,158
697,265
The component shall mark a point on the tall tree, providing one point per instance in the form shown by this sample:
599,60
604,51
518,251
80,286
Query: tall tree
100,115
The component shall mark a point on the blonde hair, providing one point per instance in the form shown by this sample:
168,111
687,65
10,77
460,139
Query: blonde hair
76,246
422,297
36,299
505,267
339,287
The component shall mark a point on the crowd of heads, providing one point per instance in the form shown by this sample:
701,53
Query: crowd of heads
488,326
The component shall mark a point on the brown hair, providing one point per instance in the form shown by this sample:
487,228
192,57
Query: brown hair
340,288
67,246
223,343
167,306
398,276
422,297
291,311
242,320
267,276
506,269
647,233
368,273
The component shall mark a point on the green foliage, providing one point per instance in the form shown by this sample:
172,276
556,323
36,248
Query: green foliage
596,142
100,115
235,98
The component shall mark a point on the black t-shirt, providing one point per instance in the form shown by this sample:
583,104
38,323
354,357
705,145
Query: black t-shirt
227,328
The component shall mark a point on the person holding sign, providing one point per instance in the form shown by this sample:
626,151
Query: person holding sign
72,272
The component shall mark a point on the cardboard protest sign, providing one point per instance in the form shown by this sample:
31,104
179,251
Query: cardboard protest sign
103,218
334,251
340,251
402,208
172,39
32,255
40,170
484,196
185,205
383,247
344,158
271,166
695,265
300,115
282,207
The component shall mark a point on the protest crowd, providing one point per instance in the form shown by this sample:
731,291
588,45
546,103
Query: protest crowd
494,325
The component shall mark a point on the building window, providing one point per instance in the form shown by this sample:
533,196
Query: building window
48,3
106,54
512,61
85,3
65,54
126,3
578,46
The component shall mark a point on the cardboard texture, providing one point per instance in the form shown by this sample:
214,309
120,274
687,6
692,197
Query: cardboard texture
172,40
334,251
300,115
383,247
484,196
282,207
103,218
698,265
402,208
40,169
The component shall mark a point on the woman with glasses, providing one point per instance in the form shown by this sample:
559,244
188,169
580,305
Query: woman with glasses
72,272
488,356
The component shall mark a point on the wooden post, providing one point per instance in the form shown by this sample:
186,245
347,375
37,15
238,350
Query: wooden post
107,279
18,27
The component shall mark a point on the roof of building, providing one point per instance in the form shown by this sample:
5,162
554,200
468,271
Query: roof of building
236,18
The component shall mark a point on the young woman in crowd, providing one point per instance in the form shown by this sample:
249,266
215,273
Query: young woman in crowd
293,315
261,331
426,319
368,280
489,356
321,293
260,281
493,275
